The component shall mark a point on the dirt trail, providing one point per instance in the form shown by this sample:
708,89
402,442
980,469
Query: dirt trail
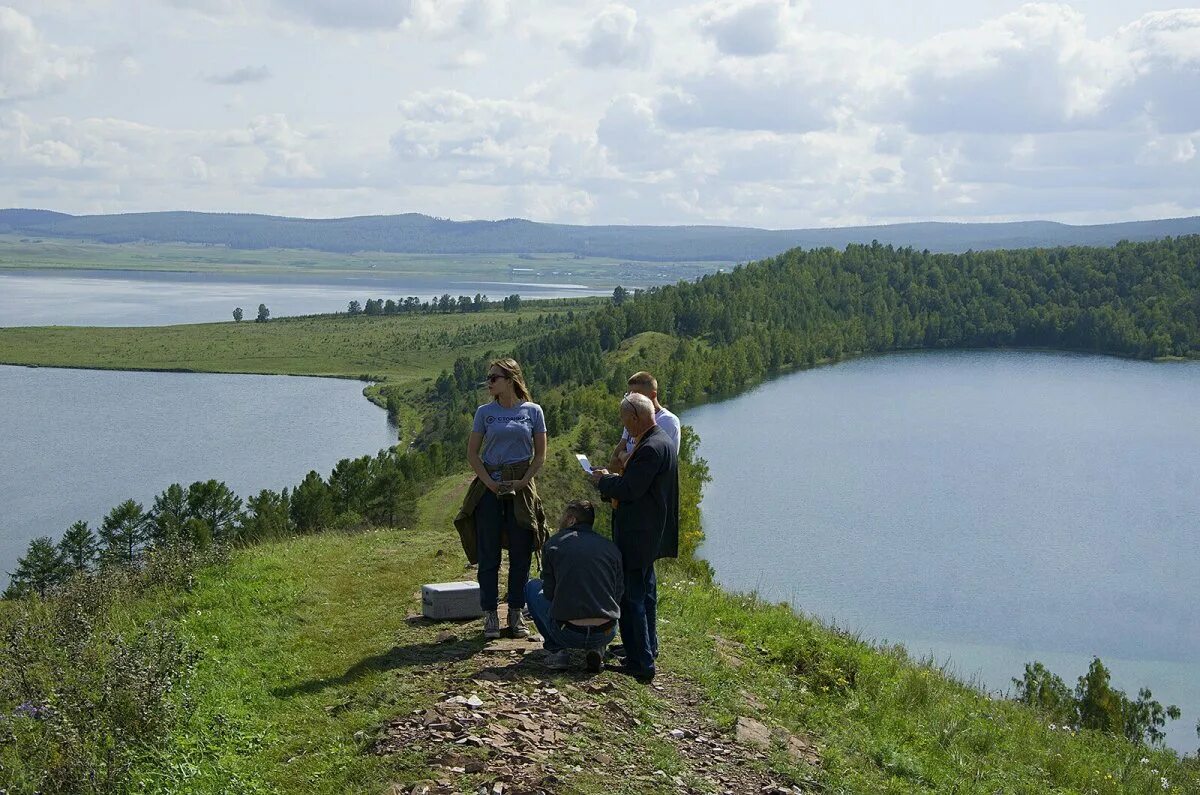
499,722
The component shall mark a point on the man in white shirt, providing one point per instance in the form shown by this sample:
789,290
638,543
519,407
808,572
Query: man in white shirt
645,384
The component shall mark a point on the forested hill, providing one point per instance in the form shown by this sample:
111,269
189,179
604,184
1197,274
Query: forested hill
421,234
727,331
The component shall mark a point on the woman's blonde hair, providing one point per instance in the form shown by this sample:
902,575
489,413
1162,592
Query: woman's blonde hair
513,371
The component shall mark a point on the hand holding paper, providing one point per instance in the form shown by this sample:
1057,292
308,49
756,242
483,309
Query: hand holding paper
583,462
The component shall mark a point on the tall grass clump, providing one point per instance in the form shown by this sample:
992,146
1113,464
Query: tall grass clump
86,685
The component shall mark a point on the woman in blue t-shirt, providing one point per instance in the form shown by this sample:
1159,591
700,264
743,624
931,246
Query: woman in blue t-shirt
506,449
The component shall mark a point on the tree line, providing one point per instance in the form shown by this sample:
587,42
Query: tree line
445,304
370,491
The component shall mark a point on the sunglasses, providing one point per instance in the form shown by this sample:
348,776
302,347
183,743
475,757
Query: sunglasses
491,379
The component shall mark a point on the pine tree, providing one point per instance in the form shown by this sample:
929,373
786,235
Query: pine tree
41,570
124,532
79,547
216,505
168,515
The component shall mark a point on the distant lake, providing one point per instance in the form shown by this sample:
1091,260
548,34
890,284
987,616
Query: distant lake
74,443
986,508
154,298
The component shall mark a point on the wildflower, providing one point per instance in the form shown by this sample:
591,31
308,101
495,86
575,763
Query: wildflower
1052,727
1165,784
1144,761
31,710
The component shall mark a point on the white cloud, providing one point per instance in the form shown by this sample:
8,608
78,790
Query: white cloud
739,111
478,16
1031,70
463,59
362,14
1163,51
31,67
1036,70
749,27
246,74
450,136
632,138
616,37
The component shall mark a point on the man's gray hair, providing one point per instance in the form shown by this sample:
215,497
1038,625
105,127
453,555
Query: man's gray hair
640,405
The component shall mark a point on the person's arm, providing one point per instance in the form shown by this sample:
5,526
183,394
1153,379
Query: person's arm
535,466
639,474
620,454
549,581
474,442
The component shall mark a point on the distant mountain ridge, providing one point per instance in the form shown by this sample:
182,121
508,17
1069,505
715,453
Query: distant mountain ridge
421,234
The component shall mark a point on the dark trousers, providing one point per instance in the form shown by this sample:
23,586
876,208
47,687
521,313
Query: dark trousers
491,515
639,614
555,634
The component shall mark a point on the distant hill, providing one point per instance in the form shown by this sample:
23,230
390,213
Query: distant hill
422,234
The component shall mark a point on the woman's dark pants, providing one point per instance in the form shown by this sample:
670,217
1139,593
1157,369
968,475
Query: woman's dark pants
491,514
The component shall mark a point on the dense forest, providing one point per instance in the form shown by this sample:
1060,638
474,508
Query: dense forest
421,234
805,307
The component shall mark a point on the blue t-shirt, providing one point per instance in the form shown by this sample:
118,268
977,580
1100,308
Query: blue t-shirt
508,433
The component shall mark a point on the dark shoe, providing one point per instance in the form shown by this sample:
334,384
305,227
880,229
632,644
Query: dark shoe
594,661
643,675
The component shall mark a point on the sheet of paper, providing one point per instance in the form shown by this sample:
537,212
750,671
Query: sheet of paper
583,462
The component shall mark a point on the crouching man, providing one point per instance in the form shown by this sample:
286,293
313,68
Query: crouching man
576,604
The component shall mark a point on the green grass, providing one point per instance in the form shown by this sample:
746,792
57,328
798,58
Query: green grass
885,722
306,654
22,252
403,352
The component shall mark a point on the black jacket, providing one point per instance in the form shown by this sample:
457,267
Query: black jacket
581,575
646,519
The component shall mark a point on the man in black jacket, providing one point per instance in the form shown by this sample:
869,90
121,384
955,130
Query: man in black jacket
645,527
577,602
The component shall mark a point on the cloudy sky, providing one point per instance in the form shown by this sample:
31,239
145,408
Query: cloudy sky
774,113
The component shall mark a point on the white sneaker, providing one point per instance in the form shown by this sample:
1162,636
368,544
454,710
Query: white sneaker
558,660
491,624
516,623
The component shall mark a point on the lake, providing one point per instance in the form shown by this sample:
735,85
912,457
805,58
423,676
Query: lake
74,443
983,508
145,298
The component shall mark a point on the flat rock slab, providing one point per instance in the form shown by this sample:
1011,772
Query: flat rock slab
752,732
518,645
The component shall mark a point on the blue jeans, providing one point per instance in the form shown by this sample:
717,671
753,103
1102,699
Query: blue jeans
639,614
559,636
491,515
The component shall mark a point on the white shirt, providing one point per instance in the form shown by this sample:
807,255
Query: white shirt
665,420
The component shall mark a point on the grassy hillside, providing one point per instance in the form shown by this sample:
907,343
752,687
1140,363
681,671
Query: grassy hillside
312,666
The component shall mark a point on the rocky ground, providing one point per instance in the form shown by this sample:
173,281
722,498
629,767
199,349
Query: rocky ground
500,722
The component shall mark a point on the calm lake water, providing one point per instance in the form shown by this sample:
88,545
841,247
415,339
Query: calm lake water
985,508
63,458
137,298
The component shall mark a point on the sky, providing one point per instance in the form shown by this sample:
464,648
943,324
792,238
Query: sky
767,113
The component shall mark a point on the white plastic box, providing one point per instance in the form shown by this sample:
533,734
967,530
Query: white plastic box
443,600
